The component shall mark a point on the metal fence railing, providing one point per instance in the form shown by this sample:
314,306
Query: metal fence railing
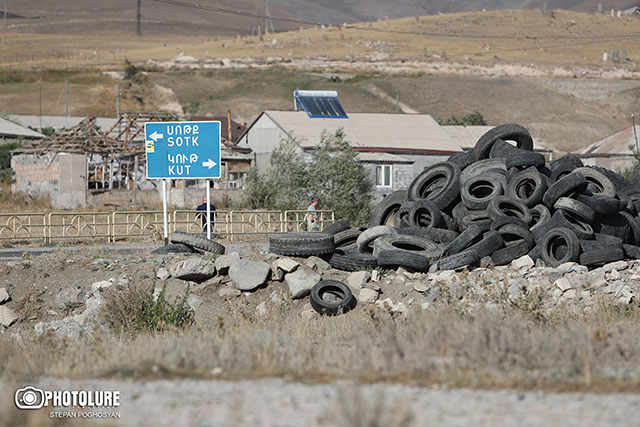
116,226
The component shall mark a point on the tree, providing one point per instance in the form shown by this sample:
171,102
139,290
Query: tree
331,173
472,119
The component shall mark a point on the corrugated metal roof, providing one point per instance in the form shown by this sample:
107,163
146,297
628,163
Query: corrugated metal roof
413,132
8,128
382,158
59,122
616,144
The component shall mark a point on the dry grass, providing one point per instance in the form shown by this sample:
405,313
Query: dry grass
512,347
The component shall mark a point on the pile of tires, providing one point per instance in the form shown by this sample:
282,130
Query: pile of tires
500,200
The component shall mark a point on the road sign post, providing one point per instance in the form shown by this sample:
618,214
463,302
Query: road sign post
183,150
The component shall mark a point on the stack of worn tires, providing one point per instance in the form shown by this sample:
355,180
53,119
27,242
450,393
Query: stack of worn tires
500,200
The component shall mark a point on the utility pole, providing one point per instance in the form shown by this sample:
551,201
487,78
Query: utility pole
40,96
267,20
66,98
117,100
138,18
4,25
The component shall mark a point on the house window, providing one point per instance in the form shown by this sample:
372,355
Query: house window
383,176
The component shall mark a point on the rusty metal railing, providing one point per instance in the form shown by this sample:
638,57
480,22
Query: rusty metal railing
114,226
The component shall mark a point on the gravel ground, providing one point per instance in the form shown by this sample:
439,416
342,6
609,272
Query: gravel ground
278,403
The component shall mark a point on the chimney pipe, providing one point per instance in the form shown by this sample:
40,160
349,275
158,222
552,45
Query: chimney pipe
229,138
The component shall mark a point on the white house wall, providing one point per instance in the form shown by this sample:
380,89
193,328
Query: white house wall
263,137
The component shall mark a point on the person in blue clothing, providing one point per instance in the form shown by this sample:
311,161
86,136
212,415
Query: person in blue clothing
203,209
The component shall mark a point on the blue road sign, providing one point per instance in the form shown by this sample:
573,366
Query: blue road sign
182,150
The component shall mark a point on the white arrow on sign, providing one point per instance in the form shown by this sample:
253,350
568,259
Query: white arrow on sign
209,163
155,135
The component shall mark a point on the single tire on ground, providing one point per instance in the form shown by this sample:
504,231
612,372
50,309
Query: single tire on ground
175,248
302,244
414,261
197,241
341,294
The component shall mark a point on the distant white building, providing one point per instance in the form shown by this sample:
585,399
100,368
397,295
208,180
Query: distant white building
613,152
395,147
12,132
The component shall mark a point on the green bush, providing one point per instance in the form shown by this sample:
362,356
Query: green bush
473,119
331,173
5,160
134,309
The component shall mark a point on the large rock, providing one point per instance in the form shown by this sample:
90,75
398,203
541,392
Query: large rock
248,275
287,265
163,274
4,296
101,285
358,280
367,296
223,262
300,282
196,269
317,263
7,316
229,292
70,297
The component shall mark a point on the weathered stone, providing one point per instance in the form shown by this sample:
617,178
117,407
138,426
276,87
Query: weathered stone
248,275
389,304
215,282
563,284
223,262
194,301
486,262
70,297
287,264
616,265
367,296
300,282
614,275
514,290
523,263
261,309
375,276
400,271
308,312
277,275
90,313
421,287
317,263
357,280
570,294
101,285
7,316
194,268
229,292
4,296
68,327
163,274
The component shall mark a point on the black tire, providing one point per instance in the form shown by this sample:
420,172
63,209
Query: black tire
506,206
612,225
302,244
424,214
631,251
383,213
458,212
338,289
619,182
601,256
347,238
365,240
502,149
484,168
401,217
176,248
536,253
566,219
567,161
560,172
576,207
528,186
601,204
575,182
540,215
504,220
459,260
479,218
461,160
514,251
438,235
478,191
598,183
601,241
491,242
398,258
396,242
468,237
449,222
350,260
336,227
511,233
633,237
439,183
505,132
197,241
560,245
525,159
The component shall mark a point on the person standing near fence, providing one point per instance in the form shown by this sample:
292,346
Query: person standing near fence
203,216
312,216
